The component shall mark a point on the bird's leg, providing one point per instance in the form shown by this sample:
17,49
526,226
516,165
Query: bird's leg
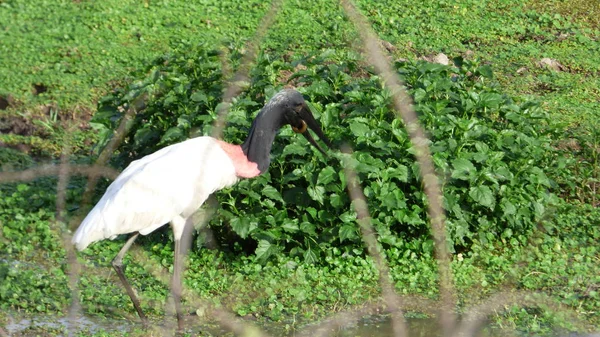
176,285
117,263
182,232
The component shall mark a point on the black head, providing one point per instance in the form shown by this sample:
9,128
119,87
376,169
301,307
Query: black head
286,107
298,115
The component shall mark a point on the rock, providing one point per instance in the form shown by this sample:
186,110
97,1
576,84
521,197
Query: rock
441,58
551,64
522,70
388,46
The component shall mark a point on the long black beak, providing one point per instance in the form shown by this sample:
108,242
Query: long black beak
309,120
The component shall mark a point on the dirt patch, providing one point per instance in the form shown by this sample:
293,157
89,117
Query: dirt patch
16,125
582,11
39,88
544,88
6,101
569,144
285,76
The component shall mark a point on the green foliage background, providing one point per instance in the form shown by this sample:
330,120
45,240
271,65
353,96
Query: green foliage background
515,146
494,155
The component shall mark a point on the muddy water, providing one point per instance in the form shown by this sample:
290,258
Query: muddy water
369,326
379,326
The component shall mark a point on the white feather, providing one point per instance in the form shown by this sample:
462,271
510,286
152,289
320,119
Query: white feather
166,186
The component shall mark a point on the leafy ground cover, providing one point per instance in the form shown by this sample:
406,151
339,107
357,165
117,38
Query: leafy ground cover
515,142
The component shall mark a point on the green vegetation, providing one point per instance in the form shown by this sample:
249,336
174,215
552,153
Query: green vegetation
516,145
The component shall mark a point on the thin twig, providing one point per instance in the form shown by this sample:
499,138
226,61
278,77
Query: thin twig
61,200
342,319
52,170
368,234
234,88
137,105
403,104
236,325
240,78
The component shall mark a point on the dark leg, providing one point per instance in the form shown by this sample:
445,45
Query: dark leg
182,246
118,265
176,285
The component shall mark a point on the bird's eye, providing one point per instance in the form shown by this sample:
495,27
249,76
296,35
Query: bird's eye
298,107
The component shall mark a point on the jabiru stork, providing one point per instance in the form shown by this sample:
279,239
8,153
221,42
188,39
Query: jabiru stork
170,185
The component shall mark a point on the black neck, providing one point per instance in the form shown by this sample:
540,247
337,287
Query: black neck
257,146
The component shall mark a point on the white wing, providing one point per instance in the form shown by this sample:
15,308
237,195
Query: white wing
152,191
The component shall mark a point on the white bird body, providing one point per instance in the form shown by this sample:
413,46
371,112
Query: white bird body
166,186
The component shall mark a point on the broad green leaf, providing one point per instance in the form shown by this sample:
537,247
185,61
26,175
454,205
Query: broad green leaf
503,173
270,192
508,207
348,217
359,129
290,226
309,256
486,71
316,193
242,226
171,135
399,172
142,135
199,96
265,249
312,211
483,196
463,169
347,232
294,148
419,95
335,200
308,228
326,176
